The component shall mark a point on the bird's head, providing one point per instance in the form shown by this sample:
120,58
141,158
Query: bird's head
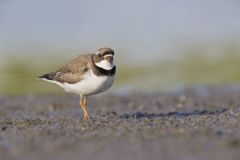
104,58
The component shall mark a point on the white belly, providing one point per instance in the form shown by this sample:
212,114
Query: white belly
91,84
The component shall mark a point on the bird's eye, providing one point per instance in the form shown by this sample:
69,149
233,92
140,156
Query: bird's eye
100,55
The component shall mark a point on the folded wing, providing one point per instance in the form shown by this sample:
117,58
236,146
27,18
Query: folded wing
72,72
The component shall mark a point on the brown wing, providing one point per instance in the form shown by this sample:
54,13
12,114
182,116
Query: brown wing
73,71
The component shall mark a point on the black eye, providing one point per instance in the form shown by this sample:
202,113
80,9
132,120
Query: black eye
100,55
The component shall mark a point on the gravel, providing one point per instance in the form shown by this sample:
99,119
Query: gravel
193,123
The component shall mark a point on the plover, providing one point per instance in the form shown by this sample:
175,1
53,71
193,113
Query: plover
88,74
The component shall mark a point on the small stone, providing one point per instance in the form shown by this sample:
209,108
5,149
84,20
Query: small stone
4,128
182,98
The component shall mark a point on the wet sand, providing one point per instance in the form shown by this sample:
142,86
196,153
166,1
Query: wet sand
199,123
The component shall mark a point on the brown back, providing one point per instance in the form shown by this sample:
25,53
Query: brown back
73,71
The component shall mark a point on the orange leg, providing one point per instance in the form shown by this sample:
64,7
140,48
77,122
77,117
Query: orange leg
83,104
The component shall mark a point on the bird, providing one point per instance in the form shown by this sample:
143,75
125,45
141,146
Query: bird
86,75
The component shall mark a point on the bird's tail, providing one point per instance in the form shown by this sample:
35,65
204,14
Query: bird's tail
47,76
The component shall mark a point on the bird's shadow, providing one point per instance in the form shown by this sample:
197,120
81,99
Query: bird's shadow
140,115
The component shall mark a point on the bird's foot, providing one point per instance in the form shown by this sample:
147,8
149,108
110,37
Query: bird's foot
87,118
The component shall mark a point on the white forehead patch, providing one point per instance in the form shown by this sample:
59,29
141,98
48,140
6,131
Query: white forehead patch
109,55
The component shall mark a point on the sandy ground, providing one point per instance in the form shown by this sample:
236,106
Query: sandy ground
199,123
